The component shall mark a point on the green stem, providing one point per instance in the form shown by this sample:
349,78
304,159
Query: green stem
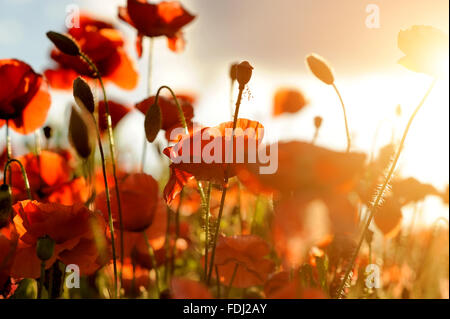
232,279
206,210
149,91
177,234
153,259
108,204
225,188
112,153
383,189
41,280
24,175
349,141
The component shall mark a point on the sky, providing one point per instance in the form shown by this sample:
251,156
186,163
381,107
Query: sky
274,36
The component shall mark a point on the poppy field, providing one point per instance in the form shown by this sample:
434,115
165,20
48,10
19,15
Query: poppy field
151,197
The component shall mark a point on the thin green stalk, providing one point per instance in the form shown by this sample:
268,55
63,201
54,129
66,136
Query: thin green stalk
206,210
153,259
149,91
225,188
112,153
383,189
41,280
232,279
349,141
108,204
24,175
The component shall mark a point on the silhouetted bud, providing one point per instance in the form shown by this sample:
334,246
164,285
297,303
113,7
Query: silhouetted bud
83,94
152,123
80,136
27,289
243,73
233,71
47,132
320,68
318,122
5,204
65,43
45,247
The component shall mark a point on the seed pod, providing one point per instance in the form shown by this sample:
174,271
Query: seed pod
153,122
27,289
233,70
5,204
83,94
45,247
65,43
320,68
47,132
80,136
318,122
243,73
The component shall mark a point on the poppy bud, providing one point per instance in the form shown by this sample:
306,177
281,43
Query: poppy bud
5,204
153,122
79,134
83,94
27,289
243,73
233,70
44,248
65,43
320,68
318,122
47,132
369,236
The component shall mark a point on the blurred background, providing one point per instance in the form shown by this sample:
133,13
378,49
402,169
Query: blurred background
274,36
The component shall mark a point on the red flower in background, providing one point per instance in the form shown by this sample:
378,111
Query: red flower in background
154,20
8,245
139,196
24,98
69,226
247,253
117,111
169,112
104,45
188,289
49,176
288,101
197,166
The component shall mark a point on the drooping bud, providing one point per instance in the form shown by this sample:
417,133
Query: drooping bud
318,122
153,122
5,204
47,132
80,134
233,70
65,43
45,247
83,94
27,289
320,68
243,73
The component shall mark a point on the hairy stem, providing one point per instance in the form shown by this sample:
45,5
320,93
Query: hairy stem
349,141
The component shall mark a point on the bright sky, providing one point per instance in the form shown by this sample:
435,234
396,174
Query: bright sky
275,36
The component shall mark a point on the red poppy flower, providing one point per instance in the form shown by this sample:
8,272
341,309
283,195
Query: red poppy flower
70,228
169,111
24,98
8,245
104,45
188,158
139,197
288,101
49,175
188,289
117,111
247,253
154,20
307,169
410,190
